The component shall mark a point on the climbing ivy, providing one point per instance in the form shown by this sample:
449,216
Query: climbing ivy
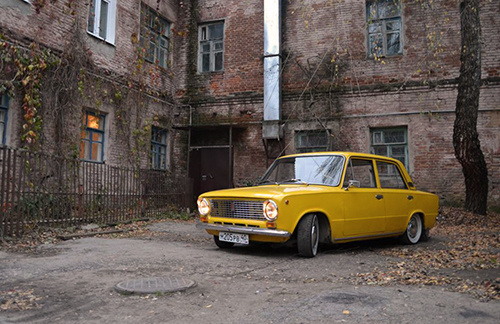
24,68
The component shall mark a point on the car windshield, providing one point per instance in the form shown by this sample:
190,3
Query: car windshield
310,169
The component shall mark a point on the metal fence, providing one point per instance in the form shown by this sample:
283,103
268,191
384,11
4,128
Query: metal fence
37,188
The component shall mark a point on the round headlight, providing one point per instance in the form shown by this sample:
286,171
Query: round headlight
270,210
203,206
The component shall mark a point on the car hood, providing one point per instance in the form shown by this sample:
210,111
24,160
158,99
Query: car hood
268,191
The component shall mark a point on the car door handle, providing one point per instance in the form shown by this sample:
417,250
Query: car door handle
379,197
410,197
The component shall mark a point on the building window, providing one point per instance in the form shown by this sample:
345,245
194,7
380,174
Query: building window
102,19
384,28
392,142
311,141
158,149
92,138
4,108
211,47
155,37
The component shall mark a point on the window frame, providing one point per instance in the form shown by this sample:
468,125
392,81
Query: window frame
94,20
390,146
91,130
384,32
307,149
4,107
350,168
205,38
395,173
159,36
155,152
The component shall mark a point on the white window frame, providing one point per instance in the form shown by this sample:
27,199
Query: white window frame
110,20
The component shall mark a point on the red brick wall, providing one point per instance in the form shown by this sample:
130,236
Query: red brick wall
394,91
116,68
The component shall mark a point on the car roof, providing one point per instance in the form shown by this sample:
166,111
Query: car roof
345,154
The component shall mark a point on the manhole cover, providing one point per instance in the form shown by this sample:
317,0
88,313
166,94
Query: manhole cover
154,285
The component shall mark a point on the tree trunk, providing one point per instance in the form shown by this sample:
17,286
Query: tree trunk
465,136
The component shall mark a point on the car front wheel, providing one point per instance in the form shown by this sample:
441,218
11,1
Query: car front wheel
413,230
308,236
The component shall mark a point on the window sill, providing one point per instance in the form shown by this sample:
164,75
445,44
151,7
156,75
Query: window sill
101,39
385,57
164,69
93,161
210,72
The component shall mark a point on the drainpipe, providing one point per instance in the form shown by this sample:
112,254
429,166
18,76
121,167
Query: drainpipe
272,67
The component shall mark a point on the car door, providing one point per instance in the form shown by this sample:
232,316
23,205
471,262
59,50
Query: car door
364,212
396,195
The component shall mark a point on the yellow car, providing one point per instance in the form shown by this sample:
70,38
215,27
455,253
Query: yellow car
326,197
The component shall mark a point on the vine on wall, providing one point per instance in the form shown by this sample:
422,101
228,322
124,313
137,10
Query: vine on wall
24,69
56,86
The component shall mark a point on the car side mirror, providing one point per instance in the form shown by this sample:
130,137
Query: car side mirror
353,183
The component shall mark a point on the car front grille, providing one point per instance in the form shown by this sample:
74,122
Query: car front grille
246,209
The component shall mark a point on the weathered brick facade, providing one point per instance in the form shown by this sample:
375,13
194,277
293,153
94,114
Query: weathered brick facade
328,83
416,90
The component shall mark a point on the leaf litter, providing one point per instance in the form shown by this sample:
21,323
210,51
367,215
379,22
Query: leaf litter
466,243
463,242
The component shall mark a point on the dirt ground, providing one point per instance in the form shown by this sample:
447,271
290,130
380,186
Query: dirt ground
443,280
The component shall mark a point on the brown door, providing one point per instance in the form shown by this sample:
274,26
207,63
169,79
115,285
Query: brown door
210,169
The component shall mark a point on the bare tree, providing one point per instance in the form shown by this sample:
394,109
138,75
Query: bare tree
465,136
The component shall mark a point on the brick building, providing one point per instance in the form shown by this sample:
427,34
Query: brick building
216,90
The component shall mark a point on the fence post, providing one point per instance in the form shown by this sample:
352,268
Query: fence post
80,202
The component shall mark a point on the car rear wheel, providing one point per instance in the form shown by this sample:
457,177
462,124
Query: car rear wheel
308,236
222,244
413,231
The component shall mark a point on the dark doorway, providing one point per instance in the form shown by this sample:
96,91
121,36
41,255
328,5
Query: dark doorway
210,169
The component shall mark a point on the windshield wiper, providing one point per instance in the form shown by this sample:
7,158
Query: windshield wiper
266,181
294,181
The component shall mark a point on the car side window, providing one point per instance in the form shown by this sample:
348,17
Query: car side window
360,171
390,177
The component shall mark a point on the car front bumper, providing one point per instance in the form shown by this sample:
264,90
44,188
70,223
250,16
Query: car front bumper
243,230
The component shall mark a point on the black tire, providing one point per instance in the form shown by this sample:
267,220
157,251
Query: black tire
308,236
222,244
414,230
426,236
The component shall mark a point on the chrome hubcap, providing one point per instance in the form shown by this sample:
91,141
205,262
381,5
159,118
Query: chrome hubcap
412,228
314,235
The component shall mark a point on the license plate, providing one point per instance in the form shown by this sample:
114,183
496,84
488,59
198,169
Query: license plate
233,238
